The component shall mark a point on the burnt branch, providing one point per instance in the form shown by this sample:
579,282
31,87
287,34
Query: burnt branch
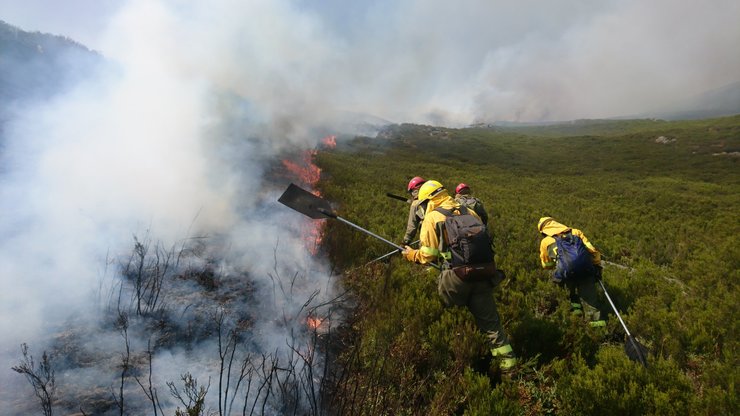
226,351
122,323
41,378
146,270
149,390
195,395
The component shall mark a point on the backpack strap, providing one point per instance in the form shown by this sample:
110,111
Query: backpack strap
445,254
565,235
446,212
468,200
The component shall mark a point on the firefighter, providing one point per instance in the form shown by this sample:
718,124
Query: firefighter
581,284
463,196
475,294
416,211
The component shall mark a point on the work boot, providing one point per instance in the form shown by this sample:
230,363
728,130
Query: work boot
576,308
505,354
507,364
502,368
483,364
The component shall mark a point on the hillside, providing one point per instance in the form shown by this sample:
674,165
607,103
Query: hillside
36,65
659,199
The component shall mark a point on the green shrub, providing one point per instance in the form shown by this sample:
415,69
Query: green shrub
618,386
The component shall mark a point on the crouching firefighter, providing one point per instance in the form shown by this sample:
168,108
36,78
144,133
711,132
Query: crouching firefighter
576,263
454,237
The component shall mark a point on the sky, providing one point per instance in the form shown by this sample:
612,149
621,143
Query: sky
177,140
441,62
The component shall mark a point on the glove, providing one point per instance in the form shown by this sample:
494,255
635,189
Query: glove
408,253
597,271
498,277
557,280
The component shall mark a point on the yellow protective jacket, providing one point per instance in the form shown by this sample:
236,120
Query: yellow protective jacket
431,247
547,245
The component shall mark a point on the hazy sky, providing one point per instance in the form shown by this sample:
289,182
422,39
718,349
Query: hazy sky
81,20
439,61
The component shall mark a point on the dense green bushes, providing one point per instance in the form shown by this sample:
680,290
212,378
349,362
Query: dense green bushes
665,215
615,386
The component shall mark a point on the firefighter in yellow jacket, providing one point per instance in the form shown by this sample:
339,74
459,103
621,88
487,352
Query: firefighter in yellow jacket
584,299
476,295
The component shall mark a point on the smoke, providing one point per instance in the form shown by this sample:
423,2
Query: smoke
299,62
172,138
633,58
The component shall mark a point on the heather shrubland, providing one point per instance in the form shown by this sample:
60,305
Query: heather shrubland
659,199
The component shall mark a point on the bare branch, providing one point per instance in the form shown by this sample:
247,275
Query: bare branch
41,378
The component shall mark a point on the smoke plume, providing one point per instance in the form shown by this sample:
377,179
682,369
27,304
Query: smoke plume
166,146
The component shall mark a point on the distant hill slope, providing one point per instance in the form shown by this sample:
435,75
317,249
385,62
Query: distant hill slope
605,127
36,65
718,102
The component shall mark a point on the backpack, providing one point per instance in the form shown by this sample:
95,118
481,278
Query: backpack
475,204
470,245
573,258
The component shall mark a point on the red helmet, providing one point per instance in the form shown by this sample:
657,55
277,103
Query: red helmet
461,187
415,183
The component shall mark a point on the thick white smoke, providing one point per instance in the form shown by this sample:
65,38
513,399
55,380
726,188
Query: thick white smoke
174,137
429,61
168,142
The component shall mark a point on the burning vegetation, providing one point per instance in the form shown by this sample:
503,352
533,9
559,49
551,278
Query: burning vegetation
305,171
169,304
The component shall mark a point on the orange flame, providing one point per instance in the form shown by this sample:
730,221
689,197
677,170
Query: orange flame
313,234
330,141
309,174
313,323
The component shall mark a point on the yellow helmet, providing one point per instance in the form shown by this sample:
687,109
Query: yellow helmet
543,221
429,189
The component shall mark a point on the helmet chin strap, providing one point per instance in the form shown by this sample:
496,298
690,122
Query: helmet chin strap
437,192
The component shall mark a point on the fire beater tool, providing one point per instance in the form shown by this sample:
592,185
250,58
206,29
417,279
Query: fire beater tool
315,207
389,254
634,350
398,197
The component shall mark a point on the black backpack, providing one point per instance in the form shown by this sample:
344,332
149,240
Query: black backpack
573,258
470,244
